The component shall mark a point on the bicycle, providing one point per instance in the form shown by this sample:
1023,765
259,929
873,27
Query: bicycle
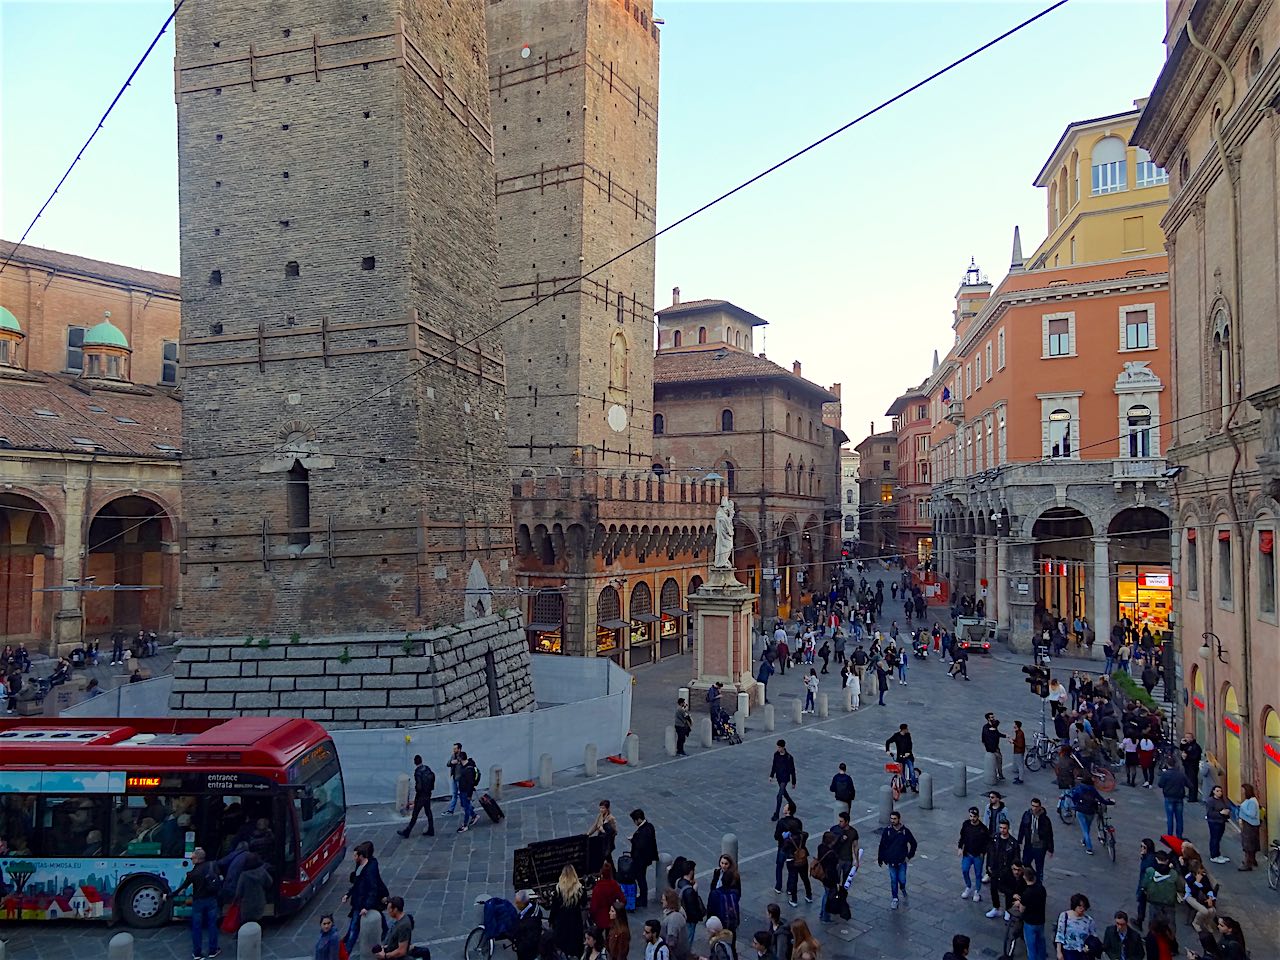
1106,833
1273,866
479,945
1041,752
1066,807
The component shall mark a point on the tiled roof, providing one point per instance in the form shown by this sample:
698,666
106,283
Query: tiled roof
705,306
723,363
69,263
152,418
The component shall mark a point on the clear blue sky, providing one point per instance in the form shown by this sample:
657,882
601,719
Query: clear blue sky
853,253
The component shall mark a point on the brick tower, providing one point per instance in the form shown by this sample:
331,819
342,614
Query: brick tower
336,191
574,87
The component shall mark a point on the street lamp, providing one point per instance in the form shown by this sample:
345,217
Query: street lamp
1206,651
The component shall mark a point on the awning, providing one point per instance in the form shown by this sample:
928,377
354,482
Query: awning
675,612
1191,534
543,627
645,618
1266,540
612,624
1224,534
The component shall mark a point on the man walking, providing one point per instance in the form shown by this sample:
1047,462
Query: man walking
205,886
901,742
1173,784
783,770
424,781
1034,902
842,786
1002,854
972,846
848,855
1019,750
455,765
991,737
644,853
468,779
1035,835
897,847
1191,752
1087,801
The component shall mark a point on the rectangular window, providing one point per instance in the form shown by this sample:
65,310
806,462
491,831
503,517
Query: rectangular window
1000,347
1059,337
1267,571
968,379
987,351
922,412
75,352
1193,563
1149,175
886,493
169,370
887,467
1133,233
922,443
1225,572
977,372
1108,177
1137,330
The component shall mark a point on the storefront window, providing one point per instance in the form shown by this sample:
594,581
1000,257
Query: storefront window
1144,594
546,622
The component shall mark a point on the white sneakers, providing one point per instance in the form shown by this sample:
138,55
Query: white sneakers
977,896
993,913
893,904
965,895
1220,859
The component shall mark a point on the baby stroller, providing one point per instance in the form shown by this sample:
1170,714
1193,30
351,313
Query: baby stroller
722,728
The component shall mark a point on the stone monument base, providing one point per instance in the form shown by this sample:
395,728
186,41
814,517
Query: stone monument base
722,636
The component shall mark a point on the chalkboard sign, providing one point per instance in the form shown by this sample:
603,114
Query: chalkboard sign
538,866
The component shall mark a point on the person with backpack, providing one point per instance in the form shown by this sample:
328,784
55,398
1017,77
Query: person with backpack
842,785
367,891
724,896
719,941
691,904
206,886
655,948
796,849
424,781
780,931
1087,802
468,780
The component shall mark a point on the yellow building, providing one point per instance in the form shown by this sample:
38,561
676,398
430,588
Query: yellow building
1105,198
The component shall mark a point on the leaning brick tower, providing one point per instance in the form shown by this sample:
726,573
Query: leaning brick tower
344,404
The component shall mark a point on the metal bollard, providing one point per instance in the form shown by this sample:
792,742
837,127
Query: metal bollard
926,791
633,750
770,717
683,694
848,700
824,707
495,782
729,846
960,785
546,769
989,770
120,947
402,793
744,704
797,711
249,942
591,760
370,934
670,741
886,805
704,731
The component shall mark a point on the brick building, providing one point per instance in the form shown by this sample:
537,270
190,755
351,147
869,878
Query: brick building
720,409
90,431
345,400
1214,121
877,497
914,533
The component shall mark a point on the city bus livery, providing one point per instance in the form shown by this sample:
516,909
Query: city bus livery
99,817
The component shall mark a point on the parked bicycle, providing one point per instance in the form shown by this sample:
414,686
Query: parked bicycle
1066,807
1041,752
1273,866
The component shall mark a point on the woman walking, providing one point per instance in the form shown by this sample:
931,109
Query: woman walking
804,945
252,888
567,902
596,948
1147,760
1074,930
853,684
725,897
1130,747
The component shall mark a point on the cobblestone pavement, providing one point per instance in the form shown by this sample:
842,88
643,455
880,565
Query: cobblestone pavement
694,801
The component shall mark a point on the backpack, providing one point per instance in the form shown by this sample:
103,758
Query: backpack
500,918
214,877
846,791
424,780
695,911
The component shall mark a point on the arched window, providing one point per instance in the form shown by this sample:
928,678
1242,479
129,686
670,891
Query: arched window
618,362
789,479
702,334
1108,166
659,469
788,424
659,424
730,475
1139,431
848,496
299,488
1053,205
726,421
728,335
1224,373
1060,433
675,338
1075,180
813,482
800,478
737,338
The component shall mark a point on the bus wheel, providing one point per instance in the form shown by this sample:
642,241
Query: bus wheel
141,903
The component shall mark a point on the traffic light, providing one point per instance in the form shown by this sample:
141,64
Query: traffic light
1037,680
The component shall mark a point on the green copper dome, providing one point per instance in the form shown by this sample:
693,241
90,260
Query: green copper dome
105,334
8,321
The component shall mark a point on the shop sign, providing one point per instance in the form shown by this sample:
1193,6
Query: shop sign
1272,753
1198,703
1232,725
1156,580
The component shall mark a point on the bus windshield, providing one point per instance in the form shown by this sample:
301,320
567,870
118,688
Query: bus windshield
320,806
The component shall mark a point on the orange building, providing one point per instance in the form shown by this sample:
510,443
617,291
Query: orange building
914,528
1050,413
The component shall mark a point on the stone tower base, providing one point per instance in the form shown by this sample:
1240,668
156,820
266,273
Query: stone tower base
722,633
475,669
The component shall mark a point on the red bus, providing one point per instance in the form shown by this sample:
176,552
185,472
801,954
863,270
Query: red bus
99,817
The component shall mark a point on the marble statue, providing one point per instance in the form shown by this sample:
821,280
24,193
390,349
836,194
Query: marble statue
724,535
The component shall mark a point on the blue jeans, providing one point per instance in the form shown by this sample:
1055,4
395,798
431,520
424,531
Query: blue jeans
1086,827
468,811
902,672
1216,830
909,774
691,929
1173,816
808,700
1111,662
1033,937
778,863
897,878
967,863
453,797
204,916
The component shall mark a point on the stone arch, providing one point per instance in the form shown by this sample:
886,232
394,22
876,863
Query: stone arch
28,543
127,546
1037,511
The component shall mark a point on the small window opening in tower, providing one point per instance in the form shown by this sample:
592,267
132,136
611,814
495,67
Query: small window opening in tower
299,487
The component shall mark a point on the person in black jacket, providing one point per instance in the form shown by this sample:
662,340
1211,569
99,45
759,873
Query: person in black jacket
842,786
424,781
1035,835
901,742
972,846
897,846
788,824
205,886
367,891
1002,854
1191,752
644,853
991,737
783,770
1034,901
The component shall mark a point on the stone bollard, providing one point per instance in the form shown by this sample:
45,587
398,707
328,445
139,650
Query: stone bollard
683,694
848,700
704,731
770,717
989,770
797,711
546,770
591,759
824,706
926,791
495,782
633,750
886,804
960,785
370,934
249,942
744,704
120,947
669,742
761,690
729,846
402,793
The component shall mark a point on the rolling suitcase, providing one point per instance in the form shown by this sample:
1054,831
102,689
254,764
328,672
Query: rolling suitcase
491,808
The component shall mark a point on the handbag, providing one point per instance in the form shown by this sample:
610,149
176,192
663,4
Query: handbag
231,922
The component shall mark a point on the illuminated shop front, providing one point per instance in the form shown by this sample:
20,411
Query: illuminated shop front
671,630
546,622
640,640
1060,587
1144,594
609,625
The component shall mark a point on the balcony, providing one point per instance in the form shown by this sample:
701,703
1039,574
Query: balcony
1144,468
955,411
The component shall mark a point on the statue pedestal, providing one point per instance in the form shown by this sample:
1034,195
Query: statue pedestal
722,635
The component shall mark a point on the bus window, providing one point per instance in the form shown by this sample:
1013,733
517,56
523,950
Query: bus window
18,822
72,826
151,825
320,806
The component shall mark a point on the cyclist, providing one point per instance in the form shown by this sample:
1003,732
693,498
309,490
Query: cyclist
901,742
1087,802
